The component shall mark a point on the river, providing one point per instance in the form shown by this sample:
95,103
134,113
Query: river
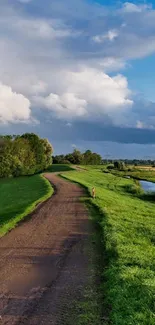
148,186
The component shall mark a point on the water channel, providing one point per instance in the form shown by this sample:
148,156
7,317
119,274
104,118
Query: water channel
148,186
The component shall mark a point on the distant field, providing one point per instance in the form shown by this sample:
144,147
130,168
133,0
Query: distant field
18,197
127,227
145,167
144,174
139,172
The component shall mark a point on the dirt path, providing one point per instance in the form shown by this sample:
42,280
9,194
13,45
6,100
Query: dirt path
43,263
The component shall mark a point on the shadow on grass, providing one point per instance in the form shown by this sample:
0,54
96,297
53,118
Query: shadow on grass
150,197
102,257
59,168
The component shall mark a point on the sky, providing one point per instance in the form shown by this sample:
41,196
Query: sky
80,73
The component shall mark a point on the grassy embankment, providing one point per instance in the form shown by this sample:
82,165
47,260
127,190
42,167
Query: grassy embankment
126,226
19,197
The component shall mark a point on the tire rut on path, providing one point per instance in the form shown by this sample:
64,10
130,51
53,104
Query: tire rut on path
43,262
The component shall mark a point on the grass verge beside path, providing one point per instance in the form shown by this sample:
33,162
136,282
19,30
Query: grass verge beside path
127,230
19,197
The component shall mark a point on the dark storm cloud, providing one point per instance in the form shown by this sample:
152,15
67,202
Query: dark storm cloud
57,130
96,132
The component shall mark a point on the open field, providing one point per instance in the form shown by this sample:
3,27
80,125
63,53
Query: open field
145,167
141,173
19,197
127,224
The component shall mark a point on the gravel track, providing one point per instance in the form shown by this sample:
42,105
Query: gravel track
44,262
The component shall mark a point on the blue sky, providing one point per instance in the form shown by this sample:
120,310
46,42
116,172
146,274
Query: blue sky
80,72
141,77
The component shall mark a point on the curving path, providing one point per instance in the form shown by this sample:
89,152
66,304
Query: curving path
43,262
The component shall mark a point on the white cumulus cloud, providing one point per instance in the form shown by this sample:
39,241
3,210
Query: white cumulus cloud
13,107
87,93
66,105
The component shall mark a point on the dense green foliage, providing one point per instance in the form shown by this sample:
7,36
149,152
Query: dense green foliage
24,155
127,226
18,197
78,158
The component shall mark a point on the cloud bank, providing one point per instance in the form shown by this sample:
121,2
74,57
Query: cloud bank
68,61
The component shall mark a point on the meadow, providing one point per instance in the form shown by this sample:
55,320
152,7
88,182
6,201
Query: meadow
19,197
140,173
126,229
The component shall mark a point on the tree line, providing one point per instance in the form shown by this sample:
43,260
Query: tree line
135,162
78,158
25,154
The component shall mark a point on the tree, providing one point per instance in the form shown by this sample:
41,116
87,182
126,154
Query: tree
24,155
48,150
37,147
77,158
5,156
91,158
59,159
120,165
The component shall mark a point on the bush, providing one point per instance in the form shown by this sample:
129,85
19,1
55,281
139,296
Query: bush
120,165
134,189
110,167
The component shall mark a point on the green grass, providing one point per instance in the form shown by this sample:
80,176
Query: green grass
19,197
148,175
141,174
59,168
144,174
127,231
88,309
